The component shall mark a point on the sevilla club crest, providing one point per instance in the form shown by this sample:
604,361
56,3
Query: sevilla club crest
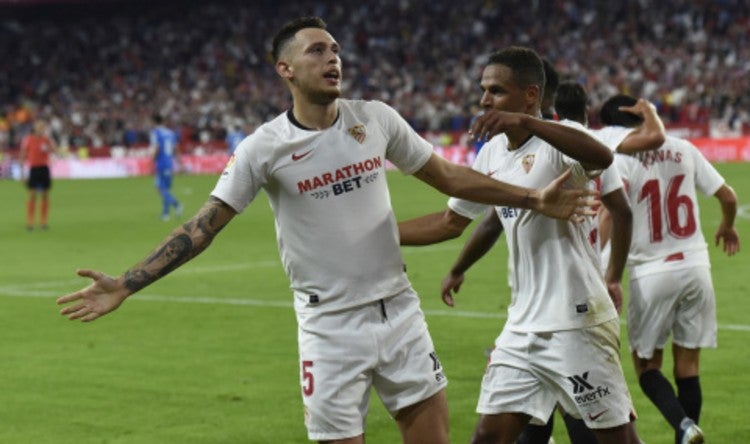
527,162
358,132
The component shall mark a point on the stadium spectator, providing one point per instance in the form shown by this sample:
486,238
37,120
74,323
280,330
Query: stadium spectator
164,148
234,137
36,149
671,292
322,164
539,352
687,58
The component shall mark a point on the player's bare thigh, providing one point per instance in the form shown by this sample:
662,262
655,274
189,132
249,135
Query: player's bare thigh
425,422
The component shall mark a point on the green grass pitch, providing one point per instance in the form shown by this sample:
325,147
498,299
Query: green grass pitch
208,354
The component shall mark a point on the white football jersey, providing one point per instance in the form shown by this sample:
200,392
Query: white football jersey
609,181
661,186
612,136
336,231
556,283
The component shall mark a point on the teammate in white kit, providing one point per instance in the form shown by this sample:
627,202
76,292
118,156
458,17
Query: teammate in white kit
648,135
560,343
670,282
571,103
322,165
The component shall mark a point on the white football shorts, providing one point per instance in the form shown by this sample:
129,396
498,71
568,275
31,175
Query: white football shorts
680,302
383,345
579,369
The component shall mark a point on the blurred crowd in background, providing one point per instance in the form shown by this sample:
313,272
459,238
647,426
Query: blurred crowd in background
98,73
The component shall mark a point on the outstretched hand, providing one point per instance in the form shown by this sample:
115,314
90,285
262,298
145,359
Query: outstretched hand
562,203
451,284
102,296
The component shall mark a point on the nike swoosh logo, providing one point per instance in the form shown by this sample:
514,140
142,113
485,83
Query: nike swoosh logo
597,416
296,157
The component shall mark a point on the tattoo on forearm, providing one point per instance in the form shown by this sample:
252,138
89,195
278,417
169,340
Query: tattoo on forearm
171,255
137,279
205,221
197,236
175,252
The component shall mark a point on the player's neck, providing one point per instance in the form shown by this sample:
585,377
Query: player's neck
315,116
517,139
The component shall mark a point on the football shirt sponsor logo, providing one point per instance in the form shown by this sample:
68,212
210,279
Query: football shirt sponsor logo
580,383
351,172
435,361
584,391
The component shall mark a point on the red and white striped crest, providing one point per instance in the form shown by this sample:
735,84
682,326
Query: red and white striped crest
358,132
527,162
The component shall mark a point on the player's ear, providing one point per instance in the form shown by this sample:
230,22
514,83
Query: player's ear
284,69
533,95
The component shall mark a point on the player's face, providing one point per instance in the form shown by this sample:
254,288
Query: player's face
313,65
501,92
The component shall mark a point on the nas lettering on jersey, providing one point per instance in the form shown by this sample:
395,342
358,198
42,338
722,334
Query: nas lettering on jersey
341,180
648,158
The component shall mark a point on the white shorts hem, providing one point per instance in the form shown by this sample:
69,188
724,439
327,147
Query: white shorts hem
333,436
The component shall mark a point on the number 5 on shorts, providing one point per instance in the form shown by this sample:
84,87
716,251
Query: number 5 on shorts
308,383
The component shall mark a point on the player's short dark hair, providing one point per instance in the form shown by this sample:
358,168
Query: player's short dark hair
525,64
158,118
610,113
551,77
288,31
570,101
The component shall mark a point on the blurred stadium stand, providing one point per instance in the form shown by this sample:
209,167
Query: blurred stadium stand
98,69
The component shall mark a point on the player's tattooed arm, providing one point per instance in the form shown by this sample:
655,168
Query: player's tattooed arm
183,244
106,293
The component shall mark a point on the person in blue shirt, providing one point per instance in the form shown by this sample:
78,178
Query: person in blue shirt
163,143
234,136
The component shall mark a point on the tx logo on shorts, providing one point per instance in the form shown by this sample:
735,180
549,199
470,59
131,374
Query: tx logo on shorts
580,383
435,361
584,392
436,366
